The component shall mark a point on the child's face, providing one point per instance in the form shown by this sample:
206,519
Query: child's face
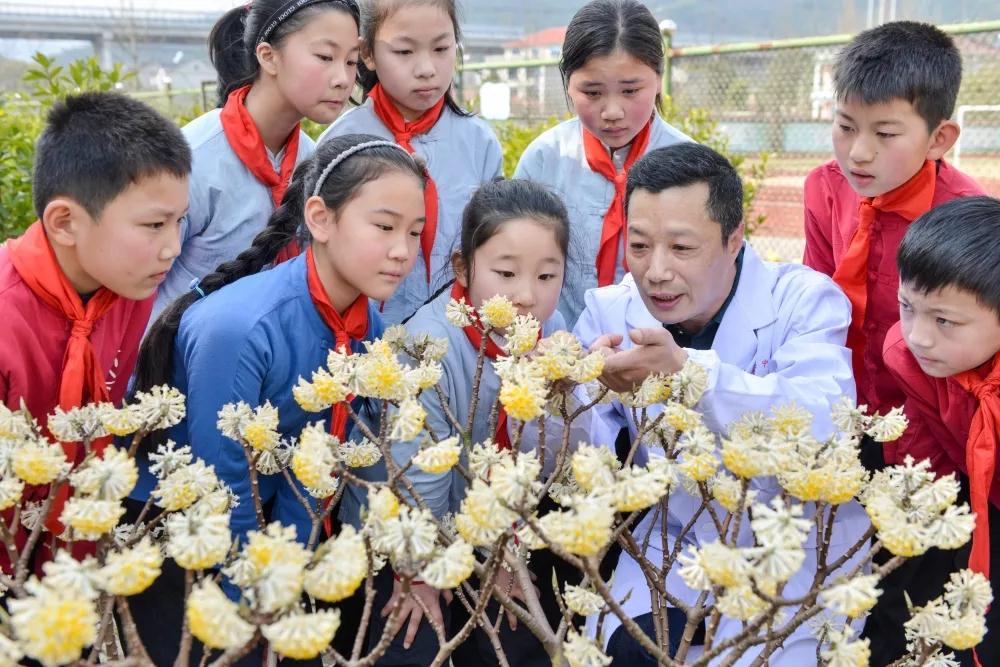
521,261
881,146
675,252
371,246
948,330
414,56
315,67
134,241
614,96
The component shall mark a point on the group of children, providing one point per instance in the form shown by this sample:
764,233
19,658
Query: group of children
238,253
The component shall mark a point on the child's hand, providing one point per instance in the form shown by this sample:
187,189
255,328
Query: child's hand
655,352
409,608
510,584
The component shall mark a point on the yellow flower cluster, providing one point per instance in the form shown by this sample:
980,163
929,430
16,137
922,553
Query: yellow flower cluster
303,636
90,518
133,570
453,566
37,461
256,427
198,540
339,567
913,511
440,457
271,568
53,625
582,601
582,530
381,374
214,619
581,651
185,486
482,517
110,476
313,461
497,312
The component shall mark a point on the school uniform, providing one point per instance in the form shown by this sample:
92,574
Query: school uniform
444,492
831,220
61,349
461,153
557,158
250,341
779,339
228,205
940,412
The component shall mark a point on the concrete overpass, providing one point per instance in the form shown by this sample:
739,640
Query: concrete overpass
102,26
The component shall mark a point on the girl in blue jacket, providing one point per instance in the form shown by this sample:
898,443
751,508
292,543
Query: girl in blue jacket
243,334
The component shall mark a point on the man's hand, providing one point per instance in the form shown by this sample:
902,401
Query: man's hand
409,608
655,352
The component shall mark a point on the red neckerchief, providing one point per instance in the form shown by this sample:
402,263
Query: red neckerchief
910,200
402,132
601,163
82,378
980,456
244,138
353,325
493,351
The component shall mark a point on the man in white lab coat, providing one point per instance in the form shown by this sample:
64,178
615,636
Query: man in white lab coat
768,334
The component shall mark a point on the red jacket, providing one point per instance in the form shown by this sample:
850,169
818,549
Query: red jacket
939,409
831,217
35,338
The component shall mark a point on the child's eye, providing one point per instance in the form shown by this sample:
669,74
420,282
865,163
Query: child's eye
630,91
592,94
944,323
904,307
416,233
154,225
504,274
637,247
884,135
547,276
442,49
402,52
846,129
352,63
682,248
384,227
325,58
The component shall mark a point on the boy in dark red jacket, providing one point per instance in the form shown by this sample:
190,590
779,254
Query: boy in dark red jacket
945,354
110,188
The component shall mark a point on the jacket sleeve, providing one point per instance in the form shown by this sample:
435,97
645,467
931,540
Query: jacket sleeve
818,252
225,364
921,408
810,366
493,160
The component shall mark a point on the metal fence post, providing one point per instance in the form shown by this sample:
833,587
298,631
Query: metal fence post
667,29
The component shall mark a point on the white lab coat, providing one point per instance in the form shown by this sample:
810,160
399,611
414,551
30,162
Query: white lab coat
781,340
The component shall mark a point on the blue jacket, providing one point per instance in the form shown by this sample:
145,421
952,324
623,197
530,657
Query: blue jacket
251,341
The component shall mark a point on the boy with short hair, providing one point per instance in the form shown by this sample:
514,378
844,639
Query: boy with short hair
945,354
110,187
896,87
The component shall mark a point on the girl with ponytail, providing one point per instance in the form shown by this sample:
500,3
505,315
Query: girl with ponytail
278,61
409,51
242,334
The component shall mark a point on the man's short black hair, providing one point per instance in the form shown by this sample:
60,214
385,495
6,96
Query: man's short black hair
956,244
906,60
97,144
687,163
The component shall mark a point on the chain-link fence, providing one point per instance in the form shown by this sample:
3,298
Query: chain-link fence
775,98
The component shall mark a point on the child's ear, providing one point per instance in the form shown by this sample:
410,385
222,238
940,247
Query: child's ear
61,218
460,270
367,54
942,139
735,240
319,219
266,57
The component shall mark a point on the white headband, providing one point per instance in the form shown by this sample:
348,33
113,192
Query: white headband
348,153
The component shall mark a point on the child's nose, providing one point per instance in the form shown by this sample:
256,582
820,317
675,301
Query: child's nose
862,150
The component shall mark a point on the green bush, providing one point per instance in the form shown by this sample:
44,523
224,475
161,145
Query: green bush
22,117
21,121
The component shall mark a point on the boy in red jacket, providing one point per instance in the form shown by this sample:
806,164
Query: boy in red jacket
945,354
896,87
110,188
